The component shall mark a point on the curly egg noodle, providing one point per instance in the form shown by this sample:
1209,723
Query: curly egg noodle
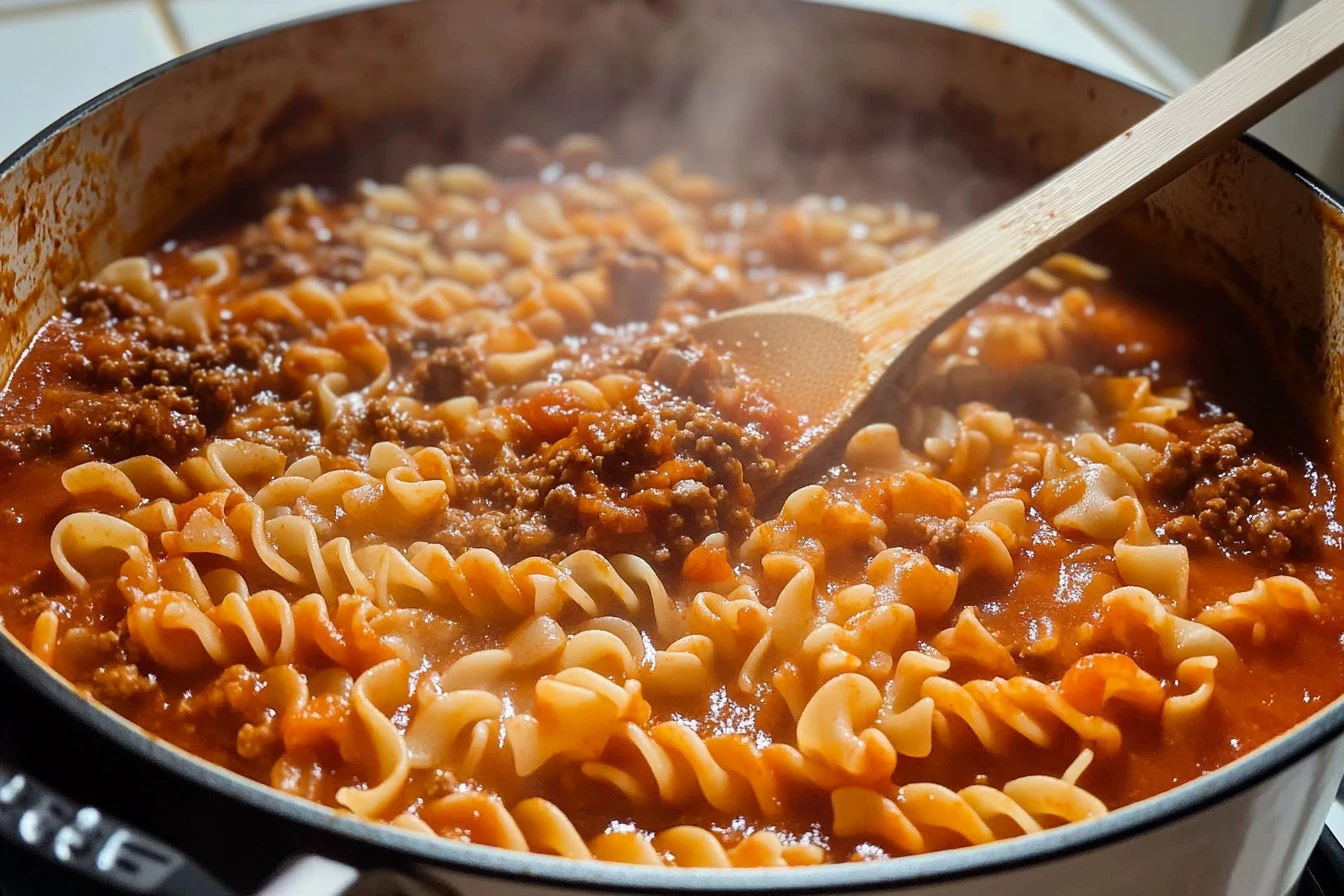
420,504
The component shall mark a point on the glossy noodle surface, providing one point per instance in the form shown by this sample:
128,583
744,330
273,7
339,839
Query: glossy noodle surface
418,502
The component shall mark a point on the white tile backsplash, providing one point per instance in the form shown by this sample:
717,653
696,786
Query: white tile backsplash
1047,26
54,61
13,5
1310,129
1186,39
202,22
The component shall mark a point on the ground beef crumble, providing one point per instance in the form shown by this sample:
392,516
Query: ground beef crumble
655,478
288,426
110,664
234,702
683,459
97,303
1227,498
262,257
147,388
941,539
637,284
448,372
119,684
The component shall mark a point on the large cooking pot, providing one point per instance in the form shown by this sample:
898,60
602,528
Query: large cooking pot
779,92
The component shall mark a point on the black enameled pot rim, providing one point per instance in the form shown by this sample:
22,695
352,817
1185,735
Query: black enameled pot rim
490,863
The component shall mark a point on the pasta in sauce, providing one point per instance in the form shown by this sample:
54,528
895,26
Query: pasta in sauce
421,504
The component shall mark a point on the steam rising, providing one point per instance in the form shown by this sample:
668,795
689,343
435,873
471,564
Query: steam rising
755,92
780,97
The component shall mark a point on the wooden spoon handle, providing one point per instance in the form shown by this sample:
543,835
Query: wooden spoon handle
965,269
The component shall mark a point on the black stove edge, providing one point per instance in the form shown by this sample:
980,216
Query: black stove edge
21,875
1324,875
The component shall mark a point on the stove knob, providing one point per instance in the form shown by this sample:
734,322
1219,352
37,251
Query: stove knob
12,790
36,825
69,844
74,840
81,837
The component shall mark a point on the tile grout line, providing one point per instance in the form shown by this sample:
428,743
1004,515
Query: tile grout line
169,25
41,9
1108,18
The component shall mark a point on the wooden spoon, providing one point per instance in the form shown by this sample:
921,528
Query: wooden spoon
822,355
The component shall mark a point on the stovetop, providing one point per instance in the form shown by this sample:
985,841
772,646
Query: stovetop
241,847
